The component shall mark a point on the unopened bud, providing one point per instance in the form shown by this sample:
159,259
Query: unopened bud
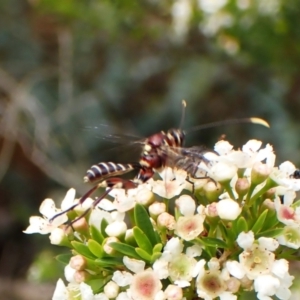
186,205
233,285
156,208
81,276
78,262
228,209
269,204
212,190
173,292
246,283
129,237
81,226
269,194
117,229
165,220
58,237
211,210
145,197
260,173
223,172
109,250
111,290
242,186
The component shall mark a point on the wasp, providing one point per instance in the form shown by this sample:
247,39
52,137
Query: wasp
162,149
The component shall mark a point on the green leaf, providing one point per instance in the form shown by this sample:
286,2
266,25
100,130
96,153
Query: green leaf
82,249
157,248
109,262
64,258
213,242
124,249
270,233
96,235
142,240
242,225
142,220
155,256
103,226
272,220
296,204
143,254
259,222
95,248
98,284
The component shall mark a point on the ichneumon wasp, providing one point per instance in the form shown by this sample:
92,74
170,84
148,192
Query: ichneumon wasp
162,149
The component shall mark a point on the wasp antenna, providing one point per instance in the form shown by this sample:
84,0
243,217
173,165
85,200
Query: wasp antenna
183,102
260,121
253,120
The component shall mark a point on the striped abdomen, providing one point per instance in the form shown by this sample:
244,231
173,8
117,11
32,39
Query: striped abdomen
104,170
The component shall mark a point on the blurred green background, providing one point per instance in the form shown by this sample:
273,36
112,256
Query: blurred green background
80,79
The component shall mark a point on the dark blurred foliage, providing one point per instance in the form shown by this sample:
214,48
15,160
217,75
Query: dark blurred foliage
123,67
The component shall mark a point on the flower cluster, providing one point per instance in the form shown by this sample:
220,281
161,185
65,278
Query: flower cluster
228,229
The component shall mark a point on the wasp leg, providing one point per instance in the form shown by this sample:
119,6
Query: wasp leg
95,203
82,199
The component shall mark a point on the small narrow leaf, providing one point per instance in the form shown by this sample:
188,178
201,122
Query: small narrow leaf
270,233
157,248
64,258
98,284
213,242
241,225
155,256
142,240
143,254
260,222
109,262
125,249
142,220
103,226
95,248
82,249
96,235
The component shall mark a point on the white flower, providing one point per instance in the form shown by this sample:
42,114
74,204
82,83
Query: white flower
210,284
189,228
169,188
290,237
145,285
181,269
228,209
43,225
256,261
